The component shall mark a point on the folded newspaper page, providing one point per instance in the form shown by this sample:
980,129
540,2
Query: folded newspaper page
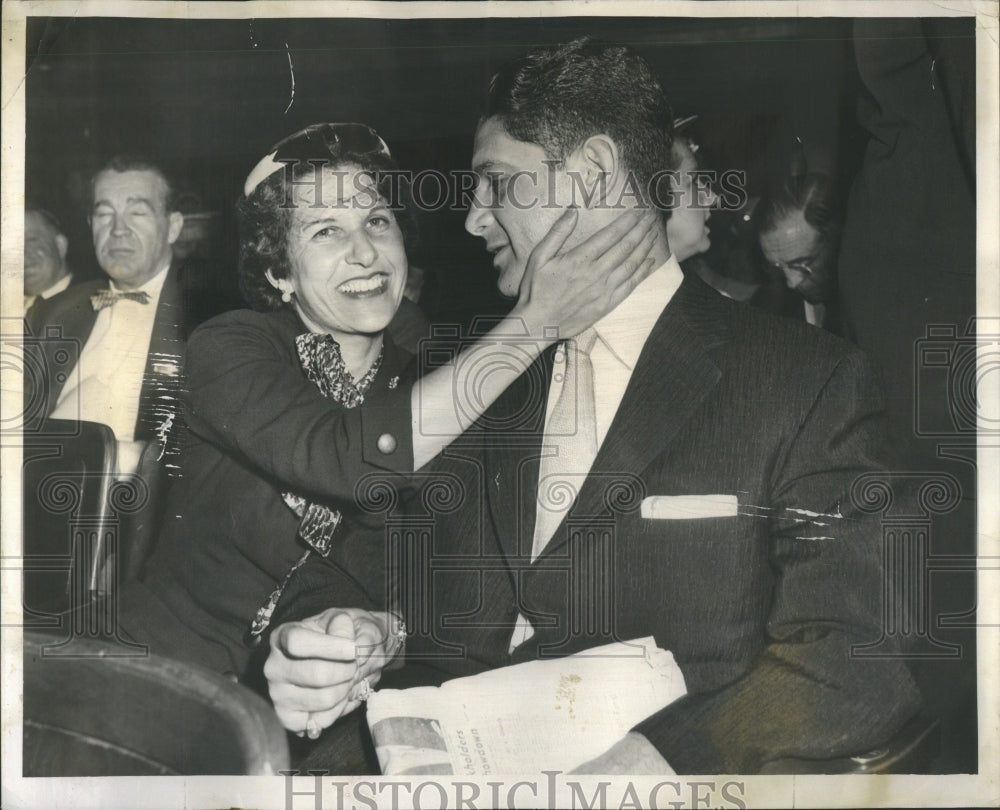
554,714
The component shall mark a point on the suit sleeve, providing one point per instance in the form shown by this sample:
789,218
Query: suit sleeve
245,393
807,694
49,358
35,394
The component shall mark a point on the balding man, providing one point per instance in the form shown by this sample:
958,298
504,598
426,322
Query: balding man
799,233
130,326
46,272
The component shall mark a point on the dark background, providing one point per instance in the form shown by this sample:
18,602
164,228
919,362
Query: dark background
207,98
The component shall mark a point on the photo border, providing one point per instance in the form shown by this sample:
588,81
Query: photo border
982,789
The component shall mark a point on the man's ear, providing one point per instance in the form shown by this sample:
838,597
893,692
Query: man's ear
176,225
598,164
62,245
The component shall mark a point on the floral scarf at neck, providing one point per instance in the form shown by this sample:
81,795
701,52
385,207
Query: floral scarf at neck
324,366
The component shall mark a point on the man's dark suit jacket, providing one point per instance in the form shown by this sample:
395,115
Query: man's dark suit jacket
70,318
761,610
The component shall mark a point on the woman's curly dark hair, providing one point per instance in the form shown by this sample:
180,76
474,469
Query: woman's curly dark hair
263,221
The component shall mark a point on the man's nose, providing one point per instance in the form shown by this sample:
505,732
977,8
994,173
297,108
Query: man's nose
480,215
363,250
794,278
119,225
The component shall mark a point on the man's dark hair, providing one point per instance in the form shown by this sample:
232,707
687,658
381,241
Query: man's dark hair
264,218
558,97
137,163
814,194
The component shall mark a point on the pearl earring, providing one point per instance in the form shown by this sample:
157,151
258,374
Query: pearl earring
286,296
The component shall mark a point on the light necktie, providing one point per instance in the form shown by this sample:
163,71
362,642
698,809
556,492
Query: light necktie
105,298
571,431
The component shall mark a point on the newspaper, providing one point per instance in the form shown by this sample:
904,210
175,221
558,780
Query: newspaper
551,714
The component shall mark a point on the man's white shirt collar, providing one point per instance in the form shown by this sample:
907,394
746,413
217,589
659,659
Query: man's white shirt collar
55,289
625,329
58,287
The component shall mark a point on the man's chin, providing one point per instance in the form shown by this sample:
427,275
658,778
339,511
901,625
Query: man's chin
117,269
509,282
816,295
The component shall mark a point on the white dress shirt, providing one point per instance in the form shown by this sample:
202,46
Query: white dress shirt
621,336
815,313
106,383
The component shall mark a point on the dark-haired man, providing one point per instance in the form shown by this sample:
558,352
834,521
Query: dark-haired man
798,230
130,326
709,451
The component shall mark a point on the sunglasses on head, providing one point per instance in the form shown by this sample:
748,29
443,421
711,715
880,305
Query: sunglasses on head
316,142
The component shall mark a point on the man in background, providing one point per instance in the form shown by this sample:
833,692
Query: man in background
799,233
46,272
130,325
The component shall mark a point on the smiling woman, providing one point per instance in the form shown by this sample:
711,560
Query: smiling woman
326,240
273,398
291,405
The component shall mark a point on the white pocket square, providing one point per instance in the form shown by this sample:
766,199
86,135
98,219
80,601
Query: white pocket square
686,507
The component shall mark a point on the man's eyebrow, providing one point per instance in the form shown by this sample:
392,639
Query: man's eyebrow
800,259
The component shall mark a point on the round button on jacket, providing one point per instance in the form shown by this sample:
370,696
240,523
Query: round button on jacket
386,443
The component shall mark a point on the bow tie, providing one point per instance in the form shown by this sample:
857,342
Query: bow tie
105,298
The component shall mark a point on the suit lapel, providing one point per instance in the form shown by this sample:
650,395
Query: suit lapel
512,452
161,380
672,376
76,321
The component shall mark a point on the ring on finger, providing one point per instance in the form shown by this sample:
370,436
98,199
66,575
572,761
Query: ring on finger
362,690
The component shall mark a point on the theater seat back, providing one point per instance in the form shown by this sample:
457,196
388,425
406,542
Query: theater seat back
96,709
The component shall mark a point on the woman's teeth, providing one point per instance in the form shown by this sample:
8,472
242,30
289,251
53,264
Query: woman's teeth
363,285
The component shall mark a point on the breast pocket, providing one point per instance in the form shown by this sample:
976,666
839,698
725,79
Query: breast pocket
689,507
